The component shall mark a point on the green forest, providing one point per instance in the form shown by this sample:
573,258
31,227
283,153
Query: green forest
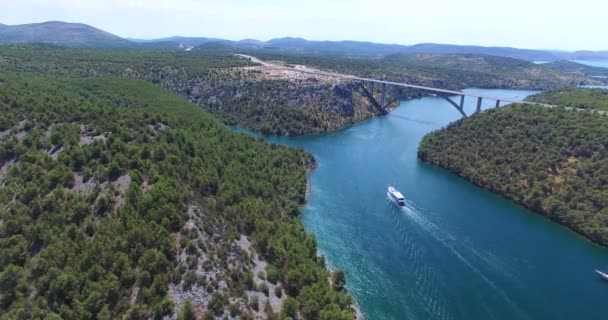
581,98
209,78
553,161
212,78
153,65
118,196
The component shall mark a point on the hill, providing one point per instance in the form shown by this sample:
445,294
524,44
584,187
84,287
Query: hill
524,54
279,102
213,79
371,49
577,68
60,33
361,48
192,41
121,200
180,41
350,48
551,160
589,55
581,98
452,71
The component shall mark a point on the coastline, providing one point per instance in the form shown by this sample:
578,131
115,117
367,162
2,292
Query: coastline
309,169
311,165
571,228
431,153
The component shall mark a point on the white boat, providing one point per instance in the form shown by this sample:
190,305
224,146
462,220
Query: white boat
395,196
604,275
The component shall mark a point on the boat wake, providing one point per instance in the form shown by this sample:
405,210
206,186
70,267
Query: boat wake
430,278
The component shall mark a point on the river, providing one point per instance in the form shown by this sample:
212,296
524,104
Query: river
456,251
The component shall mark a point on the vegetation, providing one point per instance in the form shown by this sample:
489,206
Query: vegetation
453,71
574,97
578,68
155,66
119,199
551,160
208,78
273,106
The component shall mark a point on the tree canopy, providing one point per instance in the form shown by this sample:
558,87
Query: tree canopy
551,160
116,192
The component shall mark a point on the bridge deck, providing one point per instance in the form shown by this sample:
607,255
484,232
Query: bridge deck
413,86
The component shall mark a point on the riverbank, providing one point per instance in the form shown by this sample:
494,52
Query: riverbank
456,251
536,157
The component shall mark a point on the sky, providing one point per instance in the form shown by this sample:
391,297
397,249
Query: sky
534,24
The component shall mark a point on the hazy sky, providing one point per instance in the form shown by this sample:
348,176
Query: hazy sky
538,24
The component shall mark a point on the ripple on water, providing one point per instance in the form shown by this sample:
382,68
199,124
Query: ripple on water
457,252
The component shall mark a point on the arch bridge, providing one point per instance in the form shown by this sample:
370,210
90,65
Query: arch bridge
455,98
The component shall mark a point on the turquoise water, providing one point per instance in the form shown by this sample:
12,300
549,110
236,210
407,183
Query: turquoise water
456,251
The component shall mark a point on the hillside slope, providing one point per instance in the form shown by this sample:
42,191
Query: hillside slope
121,200
213,79
581,98
451,71
60,33
551,160
279,101
576,68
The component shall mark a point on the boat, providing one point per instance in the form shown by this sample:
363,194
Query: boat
395,196
604,275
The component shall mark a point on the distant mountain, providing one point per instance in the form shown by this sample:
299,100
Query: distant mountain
352,48
60,33
251,42
190,41
525,54
370,49
77,34
589,55
578,68
360,48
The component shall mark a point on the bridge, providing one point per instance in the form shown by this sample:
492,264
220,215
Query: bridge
382,105
448,95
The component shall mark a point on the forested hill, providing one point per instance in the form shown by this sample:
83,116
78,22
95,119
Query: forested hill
213,79
577,68
452,71
551,160
581,98
279,102
120,200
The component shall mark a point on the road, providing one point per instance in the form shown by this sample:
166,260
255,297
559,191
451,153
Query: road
312,71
